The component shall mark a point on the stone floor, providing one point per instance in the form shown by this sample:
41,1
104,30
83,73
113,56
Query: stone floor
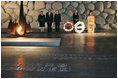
80,55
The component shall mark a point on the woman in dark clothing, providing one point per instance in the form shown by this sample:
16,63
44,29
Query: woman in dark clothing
57,20
75,17
41,19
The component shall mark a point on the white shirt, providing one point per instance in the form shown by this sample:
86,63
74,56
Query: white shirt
49,13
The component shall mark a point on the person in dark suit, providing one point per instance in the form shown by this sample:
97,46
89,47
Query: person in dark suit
49,19
75,17
57,20
41,19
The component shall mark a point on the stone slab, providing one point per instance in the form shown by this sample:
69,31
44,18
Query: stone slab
21,41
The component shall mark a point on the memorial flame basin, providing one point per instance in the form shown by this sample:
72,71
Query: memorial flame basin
22,41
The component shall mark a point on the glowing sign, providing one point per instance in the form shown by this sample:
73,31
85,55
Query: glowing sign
79,27
91,24
68,23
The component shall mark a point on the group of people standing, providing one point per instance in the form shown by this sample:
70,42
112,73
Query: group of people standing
90,21
49,19
57,19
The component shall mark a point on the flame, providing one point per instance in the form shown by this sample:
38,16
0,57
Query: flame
19,30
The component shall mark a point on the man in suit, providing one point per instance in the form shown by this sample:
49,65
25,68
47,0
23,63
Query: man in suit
57,20
49,19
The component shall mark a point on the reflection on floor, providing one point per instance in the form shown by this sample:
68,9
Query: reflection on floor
80,55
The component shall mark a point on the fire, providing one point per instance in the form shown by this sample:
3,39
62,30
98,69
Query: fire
19,30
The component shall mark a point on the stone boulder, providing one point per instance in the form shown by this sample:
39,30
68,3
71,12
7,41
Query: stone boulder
34,24
104,15
114,5
110,11
11,5
107,4
14,17
91,6
100,6
96,12
85,22
8,1
86,2
57,6
25,2
44,11
5,17
25,9
17,12
48,6
74,4
66,4
39,5
100,20
93,1
79,1
18,2
3,3
5,25
30,5
49,1
87,12
70,8
64,17
33,13
35,18
69,13
62,11
82,17
114,26
29,19
81,8
13,1
110,19
53,11
9,11
106,27
2,10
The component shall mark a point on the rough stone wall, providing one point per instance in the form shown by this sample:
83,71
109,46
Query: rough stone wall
105,12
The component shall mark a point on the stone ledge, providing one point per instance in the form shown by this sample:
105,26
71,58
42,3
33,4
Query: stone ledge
30,41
